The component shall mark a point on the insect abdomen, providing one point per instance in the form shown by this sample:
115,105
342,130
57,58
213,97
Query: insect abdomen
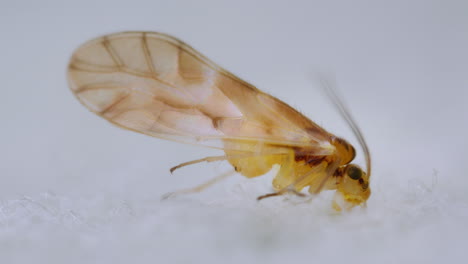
255,166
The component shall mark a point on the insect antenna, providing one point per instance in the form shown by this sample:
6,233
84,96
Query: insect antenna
335,98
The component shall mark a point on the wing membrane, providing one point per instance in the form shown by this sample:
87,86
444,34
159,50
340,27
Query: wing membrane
157,85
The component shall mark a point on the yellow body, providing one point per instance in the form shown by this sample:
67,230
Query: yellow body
298,170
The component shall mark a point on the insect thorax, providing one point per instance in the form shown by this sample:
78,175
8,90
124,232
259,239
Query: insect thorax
344,151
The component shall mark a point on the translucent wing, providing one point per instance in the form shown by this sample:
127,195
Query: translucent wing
157,85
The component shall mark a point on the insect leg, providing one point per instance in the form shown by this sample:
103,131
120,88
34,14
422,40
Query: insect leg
200,187
329,172
291,188
207,159
286,173
220,158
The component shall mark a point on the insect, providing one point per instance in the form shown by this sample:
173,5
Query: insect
157,85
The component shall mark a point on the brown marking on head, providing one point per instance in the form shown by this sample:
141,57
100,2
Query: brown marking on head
339,171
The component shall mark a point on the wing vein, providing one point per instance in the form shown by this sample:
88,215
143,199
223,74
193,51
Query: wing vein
147,54
114,104
112,53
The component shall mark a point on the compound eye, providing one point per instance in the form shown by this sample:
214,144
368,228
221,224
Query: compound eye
355,173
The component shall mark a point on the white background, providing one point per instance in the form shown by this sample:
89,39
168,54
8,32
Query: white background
74,189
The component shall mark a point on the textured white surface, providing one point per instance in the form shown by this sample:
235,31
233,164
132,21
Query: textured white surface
420,224
74,189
